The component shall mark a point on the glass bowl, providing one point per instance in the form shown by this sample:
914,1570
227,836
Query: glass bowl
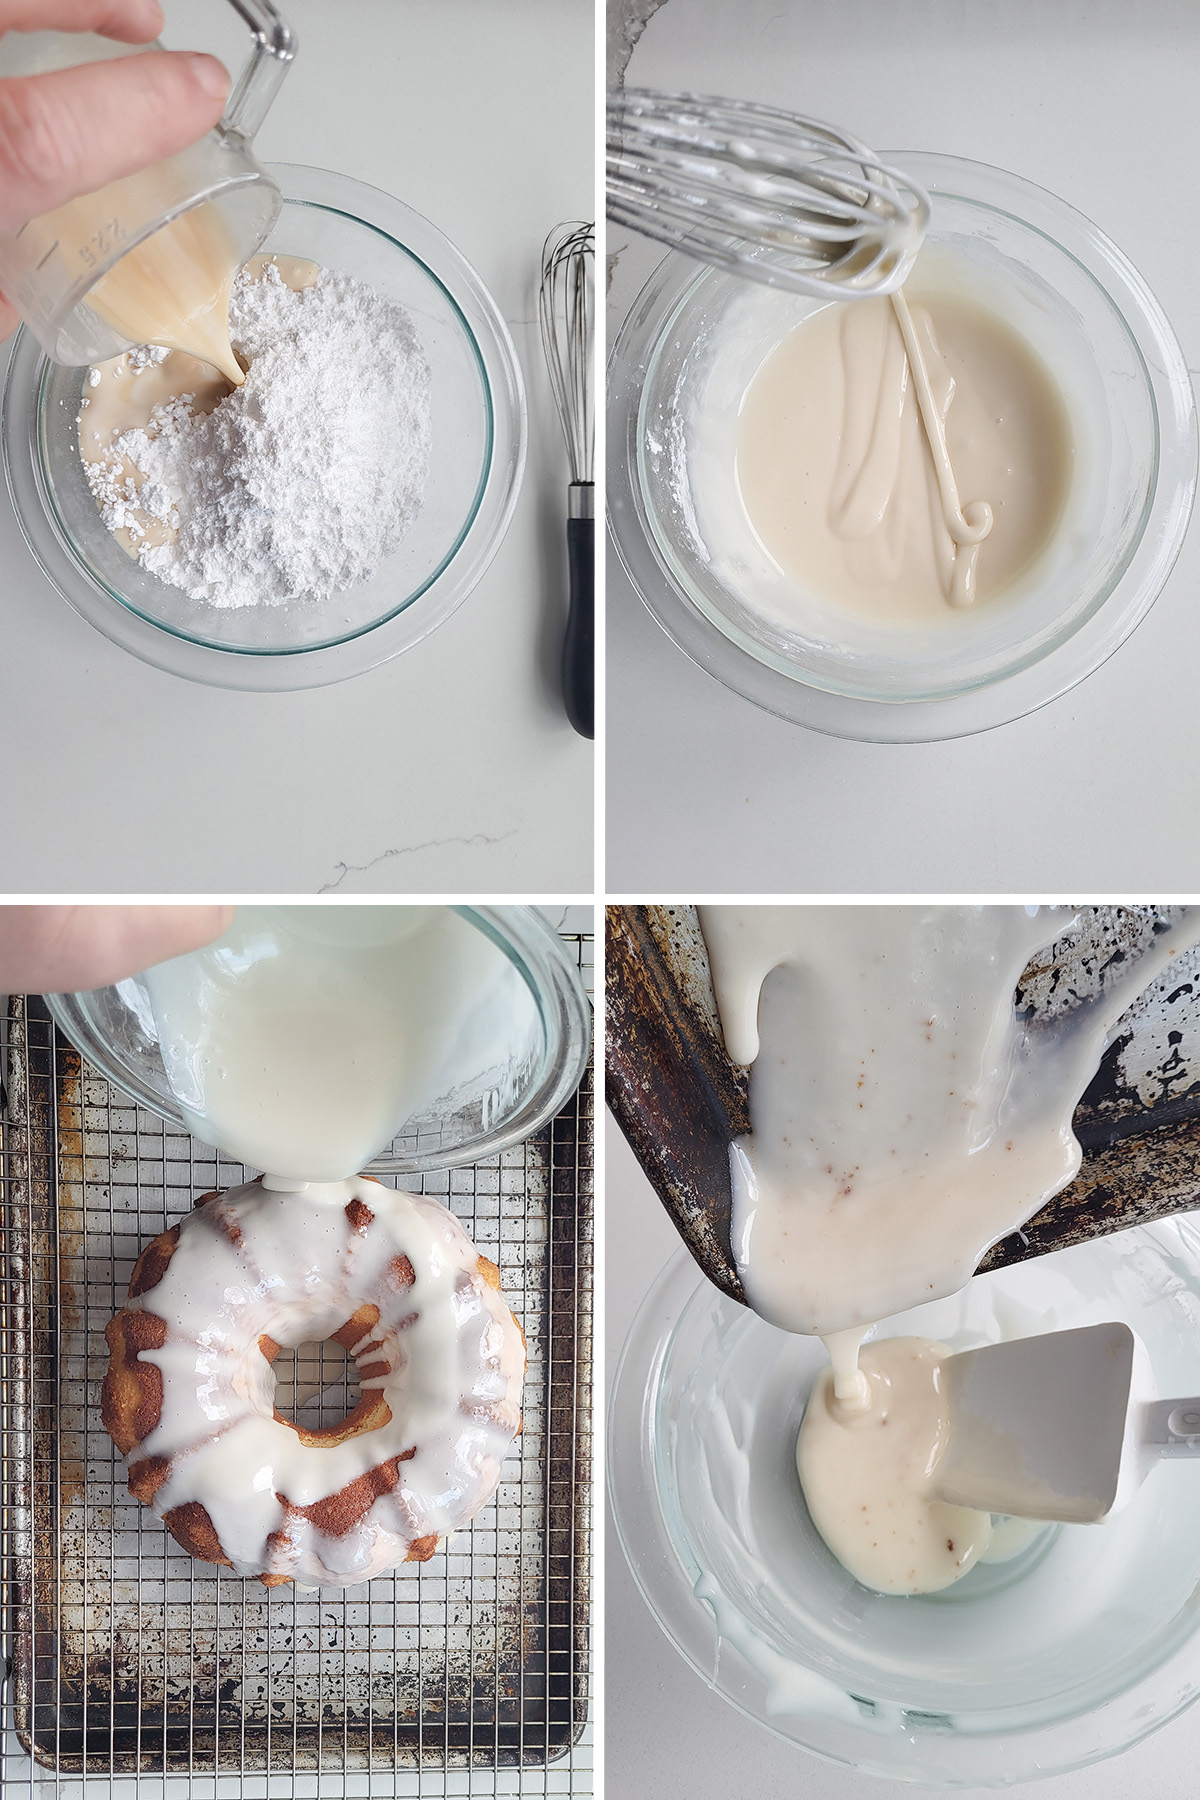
504,1104
479,431
1085,1643
678,375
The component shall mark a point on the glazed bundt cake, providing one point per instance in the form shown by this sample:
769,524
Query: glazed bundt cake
189,1394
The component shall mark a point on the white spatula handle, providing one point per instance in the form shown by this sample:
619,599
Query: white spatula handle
1172,1427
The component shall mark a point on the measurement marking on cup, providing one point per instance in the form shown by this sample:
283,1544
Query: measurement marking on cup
49,254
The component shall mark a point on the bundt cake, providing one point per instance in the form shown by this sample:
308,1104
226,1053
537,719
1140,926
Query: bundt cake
189,1394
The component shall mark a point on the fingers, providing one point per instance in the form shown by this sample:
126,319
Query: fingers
130,21
59,949
10,318
78,129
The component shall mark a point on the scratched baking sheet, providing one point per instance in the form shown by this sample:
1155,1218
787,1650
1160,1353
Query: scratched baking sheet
680,1100
126,1656
1151,1070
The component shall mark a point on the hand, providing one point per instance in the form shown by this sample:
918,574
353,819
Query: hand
61,949
71,132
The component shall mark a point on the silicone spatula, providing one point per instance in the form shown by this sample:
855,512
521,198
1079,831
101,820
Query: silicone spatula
1062,1426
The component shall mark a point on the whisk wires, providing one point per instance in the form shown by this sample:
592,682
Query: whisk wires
566,310
781,199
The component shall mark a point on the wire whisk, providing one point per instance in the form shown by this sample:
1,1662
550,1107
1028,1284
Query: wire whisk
775,197
566,309
567,312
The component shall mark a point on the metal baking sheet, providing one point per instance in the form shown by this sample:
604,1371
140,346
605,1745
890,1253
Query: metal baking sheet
126,1656
680,1100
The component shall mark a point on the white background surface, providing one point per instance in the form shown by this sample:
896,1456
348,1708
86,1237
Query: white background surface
452,767
667,1734
1095,100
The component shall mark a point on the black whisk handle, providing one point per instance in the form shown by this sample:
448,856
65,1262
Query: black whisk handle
579,643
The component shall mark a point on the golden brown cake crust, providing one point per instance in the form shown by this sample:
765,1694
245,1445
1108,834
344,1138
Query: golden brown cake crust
489,1272
359,1215
132,1394
402,1272
372,1410
147,1476
339,1513
191,1526
151,1265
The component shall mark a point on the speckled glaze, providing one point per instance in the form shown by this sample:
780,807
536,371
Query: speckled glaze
903,1116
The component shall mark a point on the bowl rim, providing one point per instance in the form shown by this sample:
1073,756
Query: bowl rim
1115,1724
551,974
985,705
259,670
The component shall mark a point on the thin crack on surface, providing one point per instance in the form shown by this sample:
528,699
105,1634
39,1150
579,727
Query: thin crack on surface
476,837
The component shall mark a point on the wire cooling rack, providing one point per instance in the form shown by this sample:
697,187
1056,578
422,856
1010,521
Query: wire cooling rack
143,1672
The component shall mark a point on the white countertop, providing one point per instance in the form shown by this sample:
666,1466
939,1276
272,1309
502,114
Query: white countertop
451,768
666,1732
1095,101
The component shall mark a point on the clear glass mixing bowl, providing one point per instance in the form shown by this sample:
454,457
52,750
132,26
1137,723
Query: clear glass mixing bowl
502,1106
1078,1648
693,342
479,432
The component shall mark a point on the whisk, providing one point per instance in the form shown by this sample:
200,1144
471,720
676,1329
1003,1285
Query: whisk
566,309
776,197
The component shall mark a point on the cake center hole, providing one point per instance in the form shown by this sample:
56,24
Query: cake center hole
316,1384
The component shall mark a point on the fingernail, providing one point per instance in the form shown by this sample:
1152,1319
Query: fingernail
211,75
152,17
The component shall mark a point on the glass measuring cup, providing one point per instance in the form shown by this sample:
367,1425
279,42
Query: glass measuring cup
58,269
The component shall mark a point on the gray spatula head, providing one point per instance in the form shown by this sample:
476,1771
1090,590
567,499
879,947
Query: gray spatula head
1037,1425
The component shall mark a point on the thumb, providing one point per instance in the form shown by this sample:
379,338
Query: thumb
74,131
56,949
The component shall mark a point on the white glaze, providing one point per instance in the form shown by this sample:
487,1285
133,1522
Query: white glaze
693,411
965,534
868,1473
856,434
885,1154
903,1119
298,1272
304,1039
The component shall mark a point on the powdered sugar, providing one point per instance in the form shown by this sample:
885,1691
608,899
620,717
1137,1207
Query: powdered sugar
145,356
306,477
